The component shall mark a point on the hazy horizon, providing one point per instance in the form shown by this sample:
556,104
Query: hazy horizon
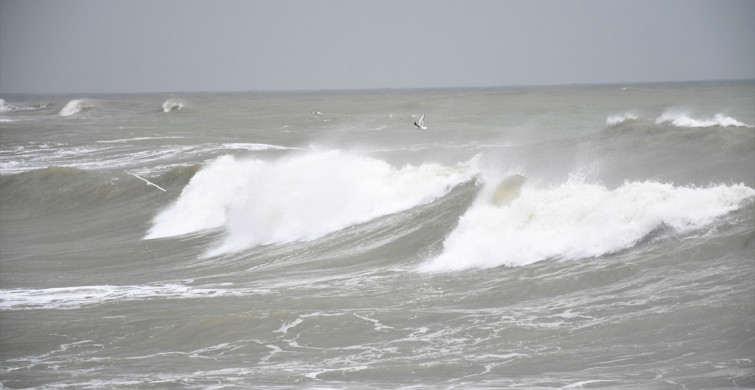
377,89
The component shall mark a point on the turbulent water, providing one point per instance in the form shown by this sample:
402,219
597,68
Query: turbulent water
535,238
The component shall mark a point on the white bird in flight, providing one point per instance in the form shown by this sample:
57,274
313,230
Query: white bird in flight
421,122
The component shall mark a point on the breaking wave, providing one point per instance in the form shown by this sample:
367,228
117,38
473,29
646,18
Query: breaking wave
618,119
578,220
681,119
74,107
172,105
299,198
678,119
7,107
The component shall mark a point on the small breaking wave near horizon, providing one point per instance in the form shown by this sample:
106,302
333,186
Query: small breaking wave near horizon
171,105
680,118
75,106
9,107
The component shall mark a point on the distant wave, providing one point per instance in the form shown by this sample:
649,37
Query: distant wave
7,107
578,220
681,119
74,107
172,105
299,198
618,119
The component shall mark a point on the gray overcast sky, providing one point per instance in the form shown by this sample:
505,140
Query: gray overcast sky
81,46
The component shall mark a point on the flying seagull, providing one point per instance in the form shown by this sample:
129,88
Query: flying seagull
421,122
149,183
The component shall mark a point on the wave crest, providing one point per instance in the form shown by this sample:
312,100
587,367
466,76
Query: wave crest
7,107
74,107
616,120
578,220
681,119
299,198
172,105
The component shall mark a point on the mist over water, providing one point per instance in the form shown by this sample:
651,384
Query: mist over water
536,238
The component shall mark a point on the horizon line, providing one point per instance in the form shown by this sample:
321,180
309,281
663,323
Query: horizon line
373,89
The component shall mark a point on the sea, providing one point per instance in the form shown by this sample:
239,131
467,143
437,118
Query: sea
563,237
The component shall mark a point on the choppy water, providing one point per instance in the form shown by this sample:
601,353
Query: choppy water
537,238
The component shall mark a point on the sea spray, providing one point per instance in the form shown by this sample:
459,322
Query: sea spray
172,105
578,220
679,118
683,119
74,107
297,198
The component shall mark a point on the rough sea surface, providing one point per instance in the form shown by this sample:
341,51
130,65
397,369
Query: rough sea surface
529,238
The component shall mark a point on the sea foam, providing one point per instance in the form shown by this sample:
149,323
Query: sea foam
65,298
299,198
578,220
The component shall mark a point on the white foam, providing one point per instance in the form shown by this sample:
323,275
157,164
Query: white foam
63,298
253,146
683,119
172,105
615,120
578,220
299,198
6,107
73,107
125,140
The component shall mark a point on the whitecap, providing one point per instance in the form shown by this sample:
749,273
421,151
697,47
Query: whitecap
172,105
578,220
6,107
299,198
682,119
74,107
615,120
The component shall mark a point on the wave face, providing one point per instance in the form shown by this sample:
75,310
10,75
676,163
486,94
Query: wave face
578,220
298,198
